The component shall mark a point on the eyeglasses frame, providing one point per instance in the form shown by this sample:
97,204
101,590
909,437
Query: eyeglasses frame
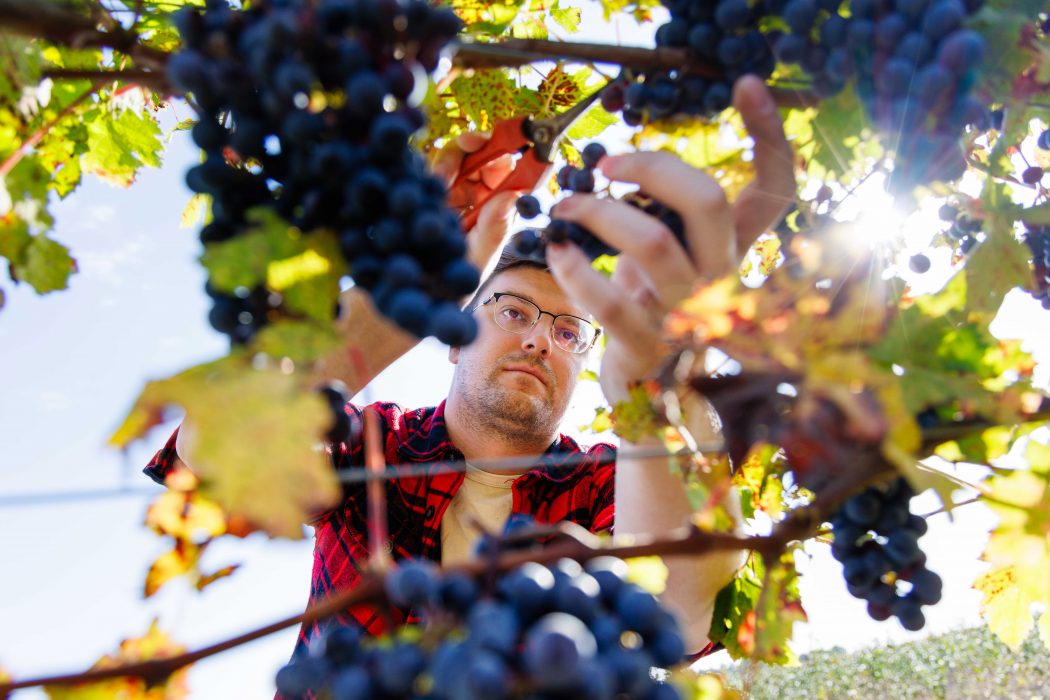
554,318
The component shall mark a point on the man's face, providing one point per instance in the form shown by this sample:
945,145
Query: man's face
518,383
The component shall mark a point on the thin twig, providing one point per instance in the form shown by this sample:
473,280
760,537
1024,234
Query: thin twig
12,160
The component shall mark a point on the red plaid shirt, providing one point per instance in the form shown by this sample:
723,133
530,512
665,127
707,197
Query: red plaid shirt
568,483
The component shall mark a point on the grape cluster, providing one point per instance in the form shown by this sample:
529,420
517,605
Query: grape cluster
914,64
963,230
724,34
562,631
877,543
307,109
1038,240
572,179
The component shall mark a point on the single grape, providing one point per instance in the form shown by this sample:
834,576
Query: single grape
1032,175
592,153
919,263
528,206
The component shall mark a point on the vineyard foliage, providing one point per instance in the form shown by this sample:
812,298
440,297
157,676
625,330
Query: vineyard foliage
828,336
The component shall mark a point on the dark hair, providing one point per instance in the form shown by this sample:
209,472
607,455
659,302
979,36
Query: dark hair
509,258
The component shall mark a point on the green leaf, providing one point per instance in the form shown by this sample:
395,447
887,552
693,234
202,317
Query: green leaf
244,261
776,612
837,128
121,142
568,18
593,122
1000,262
252,438
489,18
47,265
485,97
734,603
300,341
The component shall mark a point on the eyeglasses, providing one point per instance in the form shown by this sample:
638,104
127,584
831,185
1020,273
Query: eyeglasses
516,315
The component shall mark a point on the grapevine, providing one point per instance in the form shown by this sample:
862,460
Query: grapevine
344,166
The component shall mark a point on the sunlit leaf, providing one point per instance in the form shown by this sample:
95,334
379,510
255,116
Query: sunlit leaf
648,572
233,408
155,644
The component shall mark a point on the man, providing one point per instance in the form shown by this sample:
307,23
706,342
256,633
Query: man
511,386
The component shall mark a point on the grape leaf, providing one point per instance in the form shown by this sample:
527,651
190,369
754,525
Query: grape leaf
1000,262
485,97
490,18
155,644
758,481
119,143
704,686
593,122
648,572
640,10
568,18
304,268
837,147
178,561
1019,551
46,266
253,437
776,612
300,341
601,423
734,603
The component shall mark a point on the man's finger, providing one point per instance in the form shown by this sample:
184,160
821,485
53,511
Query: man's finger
621,317
639,236
487,235
768,196
695,195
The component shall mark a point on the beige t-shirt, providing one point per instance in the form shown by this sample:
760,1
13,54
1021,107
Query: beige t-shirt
484,497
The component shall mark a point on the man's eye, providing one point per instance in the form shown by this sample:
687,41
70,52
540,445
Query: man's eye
513,314
569,335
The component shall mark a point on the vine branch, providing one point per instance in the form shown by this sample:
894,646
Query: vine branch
62,25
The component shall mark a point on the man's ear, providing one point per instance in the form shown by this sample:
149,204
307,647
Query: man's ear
453,355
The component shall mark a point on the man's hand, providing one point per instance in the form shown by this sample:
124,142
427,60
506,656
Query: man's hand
485,239
654,272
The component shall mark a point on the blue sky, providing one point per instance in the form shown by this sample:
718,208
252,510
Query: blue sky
74,361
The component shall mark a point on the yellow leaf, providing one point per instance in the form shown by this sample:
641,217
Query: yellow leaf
155,644
185,516
1019,552
194,211
252,437
708,686
180,560
648,572
1006,606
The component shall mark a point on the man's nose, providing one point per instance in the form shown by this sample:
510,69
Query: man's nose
538,339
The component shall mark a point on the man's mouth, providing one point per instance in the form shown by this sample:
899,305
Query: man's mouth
528,369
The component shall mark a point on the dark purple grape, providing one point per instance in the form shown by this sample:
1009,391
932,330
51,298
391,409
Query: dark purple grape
592,153
528,207
919,263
